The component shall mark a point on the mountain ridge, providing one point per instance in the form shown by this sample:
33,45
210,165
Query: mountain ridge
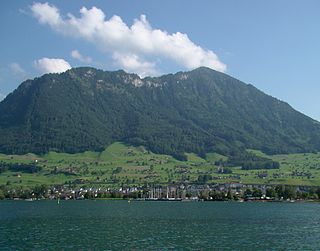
196,111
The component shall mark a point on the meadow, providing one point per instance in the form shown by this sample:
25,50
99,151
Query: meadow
121,164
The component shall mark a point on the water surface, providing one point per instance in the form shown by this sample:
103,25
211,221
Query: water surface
119,225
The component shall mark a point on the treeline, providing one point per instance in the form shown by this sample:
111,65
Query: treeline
45,192
249,161
19,167
39,191
260,165
278,192
204,178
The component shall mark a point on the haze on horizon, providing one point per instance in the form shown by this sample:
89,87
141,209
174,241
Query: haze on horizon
273,45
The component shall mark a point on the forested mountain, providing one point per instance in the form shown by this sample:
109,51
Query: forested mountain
198,111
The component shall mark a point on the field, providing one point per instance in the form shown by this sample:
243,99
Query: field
121,164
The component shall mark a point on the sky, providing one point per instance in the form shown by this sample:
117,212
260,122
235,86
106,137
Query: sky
273,45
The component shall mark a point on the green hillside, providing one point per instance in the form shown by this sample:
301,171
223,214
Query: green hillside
121,164
200,111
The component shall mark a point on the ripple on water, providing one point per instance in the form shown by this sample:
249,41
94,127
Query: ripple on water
117,225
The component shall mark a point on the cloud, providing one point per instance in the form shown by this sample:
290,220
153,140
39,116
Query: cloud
17,70
46,14
77,55
133,63
51,65
139,43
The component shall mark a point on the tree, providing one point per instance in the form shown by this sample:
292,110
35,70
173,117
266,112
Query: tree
318,192
204,178
2,196
41,191
280,191
229,195
271,193
289,193
204,194
217,195
247,193
256,193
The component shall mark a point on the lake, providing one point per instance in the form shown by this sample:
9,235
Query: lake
140,225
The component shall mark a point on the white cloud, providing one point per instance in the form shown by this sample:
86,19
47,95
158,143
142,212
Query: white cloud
17,70
133,63
46,14
77,55
52,65
138,43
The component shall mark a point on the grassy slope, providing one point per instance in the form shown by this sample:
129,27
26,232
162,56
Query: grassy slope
138,166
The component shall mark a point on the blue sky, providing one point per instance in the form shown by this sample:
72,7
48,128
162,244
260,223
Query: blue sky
274,45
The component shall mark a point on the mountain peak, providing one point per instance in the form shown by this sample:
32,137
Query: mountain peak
196,111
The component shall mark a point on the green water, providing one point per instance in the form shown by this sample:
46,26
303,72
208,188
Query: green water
118,225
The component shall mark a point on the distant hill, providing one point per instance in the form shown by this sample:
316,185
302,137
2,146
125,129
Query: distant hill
198,111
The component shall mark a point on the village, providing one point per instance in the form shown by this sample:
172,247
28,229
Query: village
174,192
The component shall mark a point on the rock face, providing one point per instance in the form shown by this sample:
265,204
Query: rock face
198,111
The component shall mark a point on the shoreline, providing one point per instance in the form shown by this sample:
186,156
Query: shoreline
166,200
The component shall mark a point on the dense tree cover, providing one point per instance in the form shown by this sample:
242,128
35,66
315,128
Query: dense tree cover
19,167
260,165
199,111
281,192
249,161
277,192
204,178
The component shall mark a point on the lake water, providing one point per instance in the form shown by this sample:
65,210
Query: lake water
119,225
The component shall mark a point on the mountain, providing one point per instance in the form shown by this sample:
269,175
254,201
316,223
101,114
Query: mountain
198,111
